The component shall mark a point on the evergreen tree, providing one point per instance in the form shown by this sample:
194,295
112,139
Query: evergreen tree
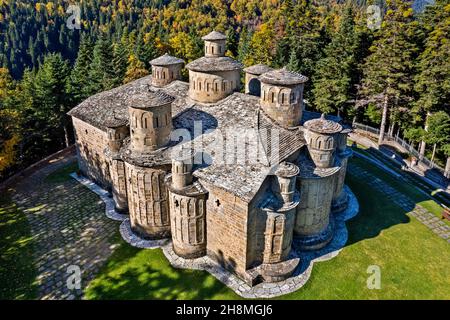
432,82
101,73
120,63
79,80
387,70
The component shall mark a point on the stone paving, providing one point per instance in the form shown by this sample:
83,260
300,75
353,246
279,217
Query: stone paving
69,228
435,224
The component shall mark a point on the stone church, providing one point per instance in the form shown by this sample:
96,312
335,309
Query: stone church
247,178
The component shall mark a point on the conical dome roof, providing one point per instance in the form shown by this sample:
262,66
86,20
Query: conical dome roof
214,35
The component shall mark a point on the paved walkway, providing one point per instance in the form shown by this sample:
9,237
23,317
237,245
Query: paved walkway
69,228
423,215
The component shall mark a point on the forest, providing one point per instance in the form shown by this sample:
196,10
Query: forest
391,71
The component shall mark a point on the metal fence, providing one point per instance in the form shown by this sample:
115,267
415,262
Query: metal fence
402,143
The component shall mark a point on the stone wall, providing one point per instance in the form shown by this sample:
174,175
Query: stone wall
148,203
282,103
215,48
313,212
91,143
321,147
188,224
226,222
256,226
119,185
212,87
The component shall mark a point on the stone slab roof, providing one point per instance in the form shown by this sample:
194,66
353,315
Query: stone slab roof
279,143
258,69
149,98
214,35
212,64
166,60
234,122
283,77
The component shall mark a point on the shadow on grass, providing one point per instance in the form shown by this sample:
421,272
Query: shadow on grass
17,271
133,273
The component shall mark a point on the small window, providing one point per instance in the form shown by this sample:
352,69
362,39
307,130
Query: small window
86,131
272,98
282,98
177,204
157,122
216,87
200,86
218,203
212,50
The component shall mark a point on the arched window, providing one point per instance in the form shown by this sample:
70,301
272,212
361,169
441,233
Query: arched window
164,75
216,87
200,85
272,97
207,87
193,84
157,122
282,98
212,49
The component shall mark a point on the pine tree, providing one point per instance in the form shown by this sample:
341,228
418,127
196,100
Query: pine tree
46,126
387,70
78,83
120,62
333,80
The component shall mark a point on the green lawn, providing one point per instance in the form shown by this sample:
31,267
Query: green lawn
63,174
414,262
17,272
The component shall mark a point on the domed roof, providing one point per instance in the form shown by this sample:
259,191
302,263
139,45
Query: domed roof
150,99
211,64
283,77
258,69
166,60
322,125
287,170
214,35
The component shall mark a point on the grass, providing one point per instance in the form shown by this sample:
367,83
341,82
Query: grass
17,272
62,175
414,261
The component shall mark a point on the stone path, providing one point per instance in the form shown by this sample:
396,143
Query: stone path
435,224
69,228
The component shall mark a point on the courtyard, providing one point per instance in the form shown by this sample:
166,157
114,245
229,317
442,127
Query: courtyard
50,222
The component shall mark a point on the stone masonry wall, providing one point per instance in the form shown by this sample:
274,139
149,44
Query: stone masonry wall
212,87
91,143
313,212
